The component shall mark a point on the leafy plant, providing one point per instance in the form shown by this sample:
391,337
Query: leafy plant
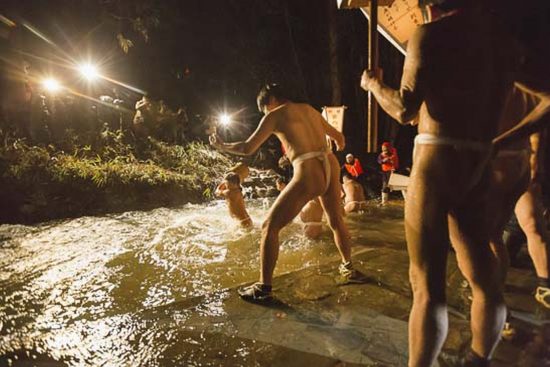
79,179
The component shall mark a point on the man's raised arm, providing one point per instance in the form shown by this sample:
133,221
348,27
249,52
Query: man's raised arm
403,104
251,145
535,121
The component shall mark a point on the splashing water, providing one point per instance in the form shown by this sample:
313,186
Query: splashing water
75,290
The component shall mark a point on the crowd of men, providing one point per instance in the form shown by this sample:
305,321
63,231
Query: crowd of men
31,111
470,167
476,90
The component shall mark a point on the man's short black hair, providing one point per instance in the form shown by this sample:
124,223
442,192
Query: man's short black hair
282,180
270,90
233,178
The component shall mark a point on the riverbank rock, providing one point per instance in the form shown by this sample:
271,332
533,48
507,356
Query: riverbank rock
260,183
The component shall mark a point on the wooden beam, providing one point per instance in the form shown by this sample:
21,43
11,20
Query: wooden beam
372,122
352,4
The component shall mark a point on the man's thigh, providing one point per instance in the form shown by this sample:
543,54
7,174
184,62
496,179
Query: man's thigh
426,228
528,203
503,196
289,203
470,227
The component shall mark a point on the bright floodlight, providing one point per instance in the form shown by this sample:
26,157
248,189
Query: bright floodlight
225,119
88,71
51,85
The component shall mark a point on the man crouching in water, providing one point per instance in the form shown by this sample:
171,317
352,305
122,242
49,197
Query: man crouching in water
302,130
311,214
354,195
312,219
230,189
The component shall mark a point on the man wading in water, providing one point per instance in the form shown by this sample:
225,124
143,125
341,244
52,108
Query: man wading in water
302,130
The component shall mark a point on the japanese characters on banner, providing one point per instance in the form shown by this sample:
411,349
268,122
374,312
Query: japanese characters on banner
335,117
398,21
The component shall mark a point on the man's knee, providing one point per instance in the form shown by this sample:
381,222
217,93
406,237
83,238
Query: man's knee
270,226
426,289
334,221
501,252
350,207
486,282
491,294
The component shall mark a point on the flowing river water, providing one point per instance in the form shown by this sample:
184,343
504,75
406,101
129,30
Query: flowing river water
75,292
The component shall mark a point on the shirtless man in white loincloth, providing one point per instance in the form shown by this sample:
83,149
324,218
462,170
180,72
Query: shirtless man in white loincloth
302,131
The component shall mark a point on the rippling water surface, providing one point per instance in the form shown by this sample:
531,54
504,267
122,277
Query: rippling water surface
75,291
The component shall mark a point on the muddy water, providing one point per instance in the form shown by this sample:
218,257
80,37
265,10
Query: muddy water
75,291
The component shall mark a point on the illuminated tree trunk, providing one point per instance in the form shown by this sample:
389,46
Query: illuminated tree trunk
301,80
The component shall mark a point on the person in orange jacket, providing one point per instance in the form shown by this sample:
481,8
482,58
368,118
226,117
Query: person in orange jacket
389,162
353,166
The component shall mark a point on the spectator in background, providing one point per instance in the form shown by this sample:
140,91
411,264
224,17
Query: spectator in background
183,124
389,162
145,117
16,97
167,125
353,167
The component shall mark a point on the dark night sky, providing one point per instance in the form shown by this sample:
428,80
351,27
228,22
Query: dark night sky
229,48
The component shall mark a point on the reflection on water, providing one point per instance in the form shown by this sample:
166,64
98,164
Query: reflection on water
74,291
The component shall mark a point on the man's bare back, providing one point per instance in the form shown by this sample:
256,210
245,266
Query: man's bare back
472,68
354,199
301,129
303,132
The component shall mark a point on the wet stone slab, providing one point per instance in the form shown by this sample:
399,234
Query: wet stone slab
360,324
350,334
313,314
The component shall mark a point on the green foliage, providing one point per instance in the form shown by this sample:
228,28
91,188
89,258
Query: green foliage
83,177
113,165
137,17
124,43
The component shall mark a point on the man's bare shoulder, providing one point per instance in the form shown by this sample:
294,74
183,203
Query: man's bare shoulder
290,109
429,37
434,31
307,109
276,113
417,43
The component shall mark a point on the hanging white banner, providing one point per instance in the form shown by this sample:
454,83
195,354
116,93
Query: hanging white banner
335,117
